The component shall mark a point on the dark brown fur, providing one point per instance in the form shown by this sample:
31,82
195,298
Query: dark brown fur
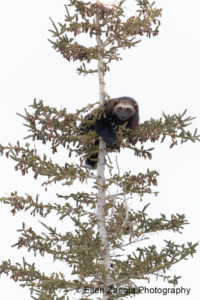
118,111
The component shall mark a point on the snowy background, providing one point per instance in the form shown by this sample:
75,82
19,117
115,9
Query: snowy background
161,73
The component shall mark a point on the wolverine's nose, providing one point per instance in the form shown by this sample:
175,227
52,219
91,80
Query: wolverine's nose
123,117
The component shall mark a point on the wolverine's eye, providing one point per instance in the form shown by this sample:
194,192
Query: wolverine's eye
128,110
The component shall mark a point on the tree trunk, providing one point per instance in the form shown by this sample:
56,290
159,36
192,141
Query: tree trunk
105,253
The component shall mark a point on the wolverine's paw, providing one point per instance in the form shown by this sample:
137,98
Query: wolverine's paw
109,137
90,163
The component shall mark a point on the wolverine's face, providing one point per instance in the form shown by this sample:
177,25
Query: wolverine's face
124,110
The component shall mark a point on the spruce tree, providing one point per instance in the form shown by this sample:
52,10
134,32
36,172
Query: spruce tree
95,251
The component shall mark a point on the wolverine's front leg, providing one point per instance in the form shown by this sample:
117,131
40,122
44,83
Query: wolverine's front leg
105,130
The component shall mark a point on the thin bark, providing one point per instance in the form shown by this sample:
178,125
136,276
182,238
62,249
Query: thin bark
105,252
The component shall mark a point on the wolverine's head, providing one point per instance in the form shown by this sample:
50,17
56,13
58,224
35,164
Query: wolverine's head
124,109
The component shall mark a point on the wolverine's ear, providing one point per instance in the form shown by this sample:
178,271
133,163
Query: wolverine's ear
136,106
115,102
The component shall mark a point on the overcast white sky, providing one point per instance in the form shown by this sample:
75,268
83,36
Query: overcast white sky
161,73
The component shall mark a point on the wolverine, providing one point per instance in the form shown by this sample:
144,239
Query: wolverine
117,112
